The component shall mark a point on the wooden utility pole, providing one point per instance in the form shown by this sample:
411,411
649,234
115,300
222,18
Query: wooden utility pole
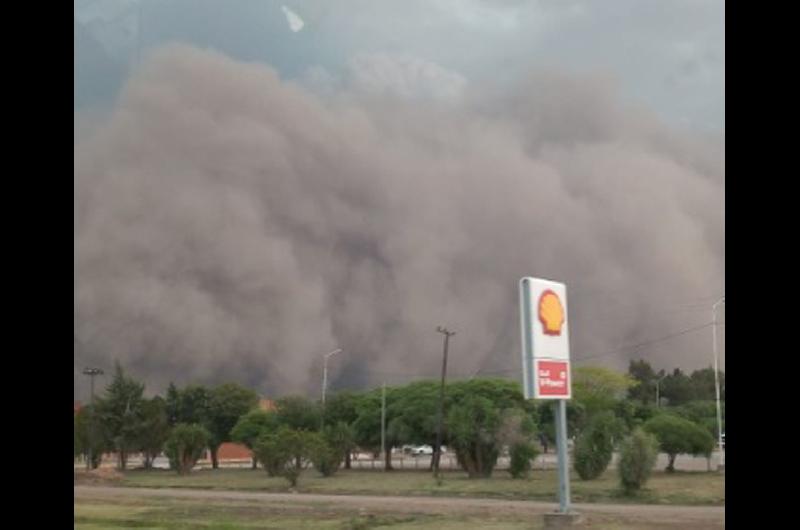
437,450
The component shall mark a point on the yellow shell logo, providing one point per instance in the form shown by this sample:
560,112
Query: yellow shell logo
551,313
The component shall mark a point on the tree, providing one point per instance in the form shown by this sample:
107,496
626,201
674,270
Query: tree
252,425
645,389
154,429
599,389
676,436
638,455
342,407
677,388
192,404
172,404
226,404
473,425
120,413
299,413
185,446
704,384
595,445
88,434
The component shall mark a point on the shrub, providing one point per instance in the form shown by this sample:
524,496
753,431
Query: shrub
637,457
286,452
522,454
595,446
325,457
185,446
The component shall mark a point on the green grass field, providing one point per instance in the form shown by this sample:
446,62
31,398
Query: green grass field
679,488
180,514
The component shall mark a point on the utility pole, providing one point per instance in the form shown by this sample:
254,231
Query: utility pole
716,384
91,372
437,451
383,425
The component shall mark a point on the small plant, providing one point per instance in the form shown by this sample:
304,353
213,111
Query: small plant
286,452
637,457
522,454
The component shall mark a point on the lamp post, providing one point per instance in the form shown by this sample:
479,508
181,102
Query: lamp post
658,383
716,383
325,373
91,372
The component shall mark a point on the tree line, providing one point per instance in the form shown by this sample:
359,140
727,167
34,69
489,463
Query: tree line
484,418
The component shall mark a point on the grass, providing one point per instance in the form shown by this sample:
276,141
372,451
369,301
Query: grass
175,514
679,488
180,514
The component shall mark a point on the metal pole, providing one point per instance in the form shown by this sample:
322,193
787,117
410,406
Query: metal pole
383,423
563,464
716,383
438,449
658,385
324,379
325,384
91,372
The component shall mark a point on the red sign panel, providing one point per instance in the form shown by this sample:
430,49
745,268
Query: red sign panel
552,378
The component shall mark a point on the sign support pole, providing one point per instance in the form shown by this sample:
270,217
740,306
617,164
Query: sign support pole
563,457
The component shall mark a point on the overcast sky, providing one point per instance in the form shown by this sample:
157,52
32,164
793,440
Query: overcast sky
666,55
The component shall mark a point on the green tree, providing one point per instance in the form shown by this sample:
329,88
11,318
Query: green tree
251,426
473,425
517,433
326,452
120,413
172,404
342,407
675,436
677,388
226,404
299,413
645,390
595,445
154,429
704,384
88,434
192,404
599,389
185,446
637,457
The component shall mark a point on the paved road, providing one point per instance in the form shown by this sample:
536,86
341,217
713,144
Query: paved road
705,516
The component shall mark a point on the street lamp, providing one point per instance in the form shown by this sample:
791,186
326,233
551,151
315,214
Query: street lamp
658,382
716,383
91,372
325,373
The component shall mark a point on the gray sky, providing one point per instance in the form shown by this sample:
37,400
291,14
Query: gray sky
298,176
669,56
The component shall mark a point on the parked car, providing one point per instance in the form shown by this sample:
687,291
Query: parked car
421,450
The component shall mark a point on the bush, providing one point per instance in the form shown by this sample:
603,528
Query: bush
325,457
285,452
185,446
595,446
522,454
637,457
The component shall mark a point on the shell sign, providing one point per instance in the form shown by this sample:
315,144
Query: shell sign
545,339
551,313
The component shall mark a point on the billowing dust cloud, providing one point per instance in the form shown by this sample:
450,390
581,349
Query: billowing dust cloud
230,225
